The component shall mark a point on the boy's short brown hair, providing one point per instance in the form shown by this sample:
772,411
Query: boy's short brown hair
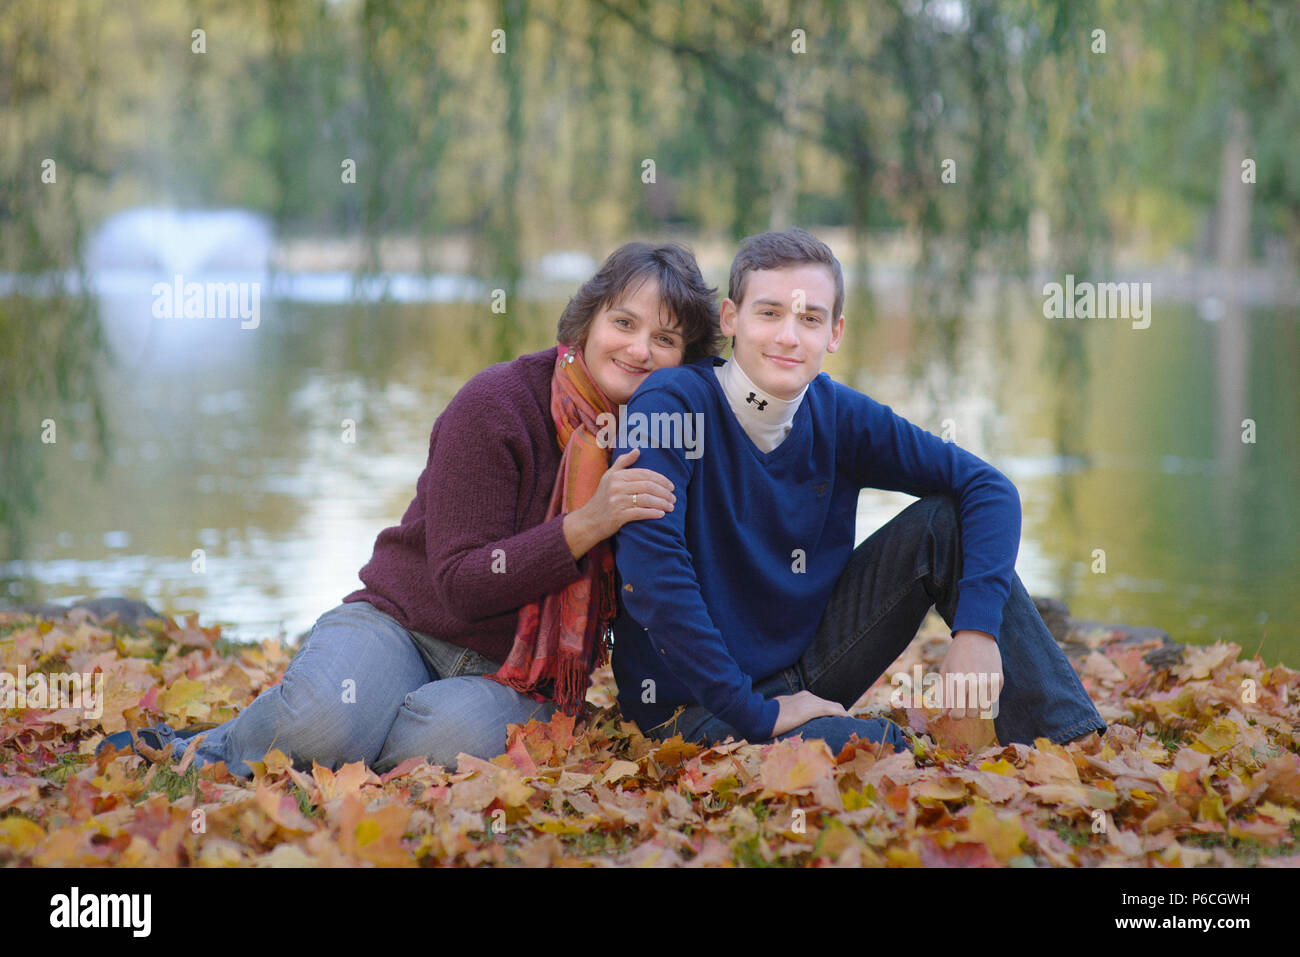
774,250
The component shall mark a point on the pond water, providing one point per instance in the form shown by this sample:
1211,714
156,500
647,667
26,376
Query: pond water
233,440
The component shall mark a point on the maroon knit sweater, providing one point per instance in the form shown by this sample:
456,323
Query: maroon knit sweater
493,458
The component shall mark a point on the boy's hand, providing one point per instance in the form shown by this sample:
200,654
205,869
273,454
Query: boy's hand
801,707
973,652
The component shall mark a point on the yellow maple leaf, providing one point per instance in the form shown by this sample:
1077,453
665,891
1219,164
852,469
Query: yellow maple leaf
184,699
557,826
675,750
1284,814
1001,835
1211,809
619,770
367,831
1218,736
115,780
348,779
1000,766
902,857
19,834
855,800
935,790
274,762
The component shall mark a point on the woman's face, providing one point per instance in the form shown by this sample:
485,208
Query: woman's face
630,338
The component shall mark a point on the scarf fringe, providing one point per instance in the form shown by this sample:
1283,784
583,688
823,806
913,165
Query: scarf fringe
571,683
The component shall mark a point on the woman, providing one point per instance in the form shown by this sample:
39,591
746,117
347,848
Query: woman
487,604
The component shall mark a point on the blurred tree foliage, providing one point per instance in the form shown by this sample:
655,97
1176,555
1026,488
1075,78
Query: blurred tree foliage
756,114
542,145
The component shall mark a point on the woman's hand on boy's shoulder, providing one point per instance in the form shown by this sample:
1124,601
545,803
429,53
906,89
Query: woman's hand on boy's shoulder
625,494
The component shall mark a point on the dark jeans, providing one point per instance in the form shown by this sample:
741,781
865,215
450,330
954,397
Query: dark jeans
879,601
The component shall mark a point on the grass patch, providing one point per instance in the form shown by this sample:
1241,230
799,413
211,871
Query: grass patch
599,843
167,781
1076,835
746,853
1246,850
69,763
304,801
1170,737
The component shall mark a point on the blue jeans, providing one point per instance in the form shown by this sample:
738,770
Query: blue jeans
891,580
364,688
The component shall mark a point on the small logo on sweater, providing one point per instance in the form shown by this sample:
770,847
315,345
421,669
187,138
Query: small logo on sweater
755,400
821,488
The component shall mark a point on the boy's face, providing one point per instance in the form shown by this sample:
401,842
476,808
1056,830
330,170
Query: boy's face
784,327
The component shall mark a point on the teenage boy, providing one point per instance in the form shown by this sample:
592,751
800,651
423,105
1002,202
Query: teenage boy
746,610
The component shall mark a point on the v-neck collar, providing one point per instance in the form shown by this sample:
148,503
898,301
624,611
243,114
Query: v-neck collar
797,426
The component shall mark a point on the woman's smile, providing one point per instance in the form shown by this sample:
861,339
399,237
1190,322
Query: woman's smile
630,369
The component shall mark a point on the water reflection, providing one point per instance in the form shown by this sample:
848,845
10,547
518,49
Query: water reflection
237,446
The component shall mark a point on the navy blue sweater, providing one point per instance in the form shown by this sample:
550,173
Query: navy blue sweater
729,587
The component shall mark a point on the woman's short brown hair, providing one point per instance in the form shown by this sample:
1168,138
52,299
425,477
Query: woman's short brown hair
681,287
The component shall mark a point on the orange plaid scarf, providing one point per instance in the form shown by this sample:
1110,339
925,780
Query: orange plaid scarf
560,639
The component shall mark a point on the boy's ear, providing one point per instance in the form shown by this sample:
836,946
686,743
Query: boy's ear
727,317
837,334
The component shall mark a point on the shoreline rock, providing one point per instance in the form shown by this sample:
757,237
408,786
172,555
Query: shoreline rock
129,612
1071,634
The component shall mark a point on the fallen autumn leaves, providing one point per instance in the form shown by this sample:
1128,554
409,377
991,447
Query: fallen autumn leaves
1200,766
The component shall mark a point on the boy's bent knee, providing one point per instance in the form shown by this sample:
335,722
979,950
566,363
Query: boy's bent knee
941,509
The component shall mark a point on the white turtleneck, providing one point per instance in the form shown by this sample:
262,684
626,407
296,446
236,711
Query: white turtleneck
766,419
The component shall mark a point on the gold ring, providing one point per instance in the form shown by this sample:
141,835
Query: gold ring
634,499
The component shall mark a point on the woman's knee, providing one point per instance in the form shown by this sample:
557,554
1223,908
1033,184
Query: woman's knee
341,692
321,718
469,714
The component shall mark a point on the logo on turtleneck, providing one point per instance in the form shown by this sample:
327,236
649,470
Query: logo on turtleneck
761,403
